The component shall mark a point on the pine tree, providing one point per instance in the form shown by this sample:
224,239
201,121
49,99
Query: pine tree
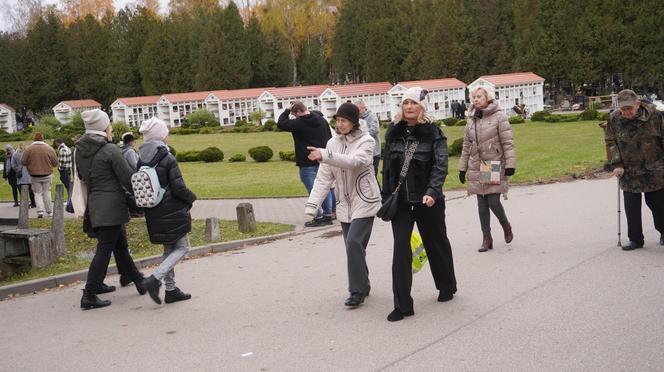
45,62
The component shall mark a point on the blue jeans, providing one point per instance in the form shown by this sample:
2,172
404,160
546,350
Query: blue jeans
308,176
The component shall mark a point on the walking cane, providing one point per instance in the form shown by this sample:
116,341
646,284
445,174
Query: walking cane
618,183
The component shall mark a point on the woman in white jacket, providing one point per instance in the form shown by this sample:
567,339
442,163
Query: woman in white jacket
347,164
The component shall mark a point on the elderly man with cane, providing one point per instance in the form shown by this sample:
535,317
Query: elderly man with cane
635,143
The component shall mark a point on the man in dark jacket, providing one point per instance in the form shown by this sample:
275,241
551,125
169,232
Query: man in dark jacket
169,222
635,139
104,171
308,130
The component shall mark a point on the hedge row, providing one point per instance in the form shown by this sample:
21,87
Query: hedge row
214,154
589,114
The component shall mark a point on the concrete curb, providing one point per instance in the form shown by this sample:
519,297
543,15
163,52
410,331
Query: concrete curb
36,285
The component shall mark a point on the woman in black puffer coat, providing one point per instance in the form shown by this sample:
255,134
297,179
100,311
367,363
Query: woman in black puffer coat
169,222
421,200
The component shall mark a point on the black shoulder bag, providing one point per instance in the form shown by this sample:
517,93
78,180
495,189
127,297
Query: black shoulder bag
389,208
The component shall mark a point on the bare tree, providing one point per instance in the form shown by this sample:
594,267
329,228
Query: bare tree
21,15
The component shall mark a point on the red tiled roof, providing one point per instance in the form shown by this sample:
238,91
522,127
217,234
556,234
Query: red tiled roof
82,103
145,100
304,91
6,106
447,83
513,78
181,97
360,89
239,93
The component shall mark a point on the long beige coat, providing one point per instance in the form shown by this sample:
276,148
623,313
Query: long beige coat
494,135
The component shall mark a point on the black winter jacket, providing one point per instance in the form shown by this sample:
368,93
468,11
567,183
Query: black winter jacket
428,169
170,220
307,130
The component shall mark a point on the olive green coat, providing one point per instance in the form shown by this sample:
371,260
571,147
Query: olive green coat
107,181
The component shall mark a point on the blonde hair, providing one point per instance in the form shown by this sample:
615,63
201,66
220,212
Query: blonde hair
486,94
423,118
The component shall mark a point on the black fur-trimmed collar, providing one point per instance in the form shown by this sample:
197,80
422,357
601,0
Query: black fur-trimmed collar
421,132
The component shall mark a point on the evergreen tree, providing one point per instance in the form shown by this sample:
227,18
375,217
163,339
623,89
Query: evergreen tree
257,51
12,75
45,64
89,56
312,63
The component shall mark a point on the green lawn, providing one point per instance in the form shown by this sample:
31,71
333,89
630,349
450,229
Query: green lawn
545,151
81,248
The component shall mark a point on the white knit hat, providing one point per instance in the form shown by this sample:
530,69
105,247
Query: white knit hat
95,120
417,95
154,128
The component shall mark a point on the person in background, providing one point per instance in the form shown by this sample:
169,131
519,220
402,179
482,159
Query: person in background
488,137
308,130
64,164
374,131
40,159
420,199
128,148
22,174
9,174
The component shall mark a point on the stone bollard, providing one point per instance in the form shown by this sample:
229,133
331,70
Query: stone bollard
58,222
245,217
24,208
212,229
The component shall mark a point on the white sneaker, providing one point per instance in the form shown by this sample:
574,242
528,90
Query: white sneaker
50,214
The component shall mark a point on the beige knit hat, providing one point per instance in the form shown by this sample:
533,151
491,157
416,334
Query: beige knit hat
95,120
417,95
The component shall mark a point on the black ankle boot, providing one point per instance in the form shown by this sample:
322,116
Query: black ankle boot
138,282
105,288
91,301
175,296
397,315
151,284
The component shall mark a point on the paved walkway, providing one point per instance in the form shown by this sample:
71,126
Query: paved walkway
561,297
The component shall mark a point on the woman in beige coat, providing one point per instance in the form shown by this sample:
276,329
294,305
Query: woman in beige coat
347,163
487,137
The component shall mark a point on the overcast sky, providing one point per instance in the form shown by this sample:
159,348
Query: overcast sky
119,4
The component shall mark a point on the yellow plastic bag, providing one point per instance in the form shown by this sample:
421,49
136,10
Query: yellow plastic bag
419,254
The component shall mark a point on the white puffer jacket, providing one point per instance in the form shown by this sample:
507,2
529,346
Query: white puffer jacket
347,162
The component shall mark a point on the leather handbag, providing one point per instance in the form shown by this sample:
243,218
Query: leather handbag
389,207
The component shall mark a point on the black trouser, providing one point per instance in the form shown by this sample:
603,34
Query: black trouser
492,202
14,186
654,201
65,179
431,225
356,237
32,194
110,239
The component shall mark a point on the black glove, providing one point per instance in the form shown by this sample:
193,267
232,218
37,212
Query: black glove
462,176
509,171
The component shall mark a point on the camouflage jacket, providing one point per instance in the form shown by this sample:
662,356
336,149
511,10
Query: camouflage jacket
637,145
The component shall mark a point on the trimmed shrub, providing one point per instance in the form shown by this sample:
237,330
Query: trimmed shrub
287,155
50,121
119,128
211,155
461,123
237,157
539,116
269,125
589,115
604,116
261,153
201,118
187,156
182,131
516,119
455,148
561,118
205,131
241,123
450,122
171,149
76,121
241,129
597,105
